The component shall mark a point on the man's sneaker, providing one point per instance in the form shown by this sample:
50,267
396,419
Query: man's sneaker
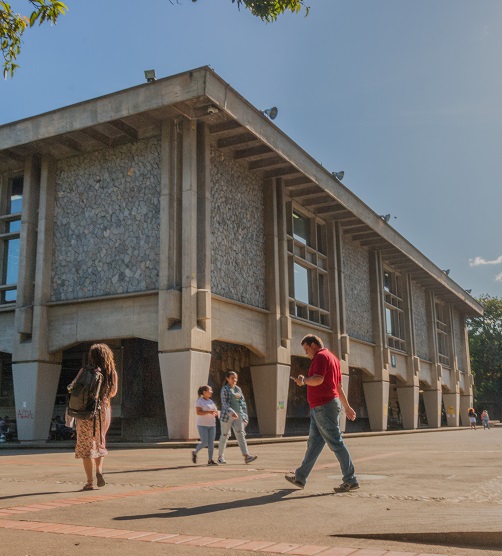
249,458
221,460
346,487
194,456
211,462
292,479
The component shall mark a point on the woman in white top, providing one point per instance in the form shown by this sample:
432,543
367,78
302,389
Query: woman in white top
206,423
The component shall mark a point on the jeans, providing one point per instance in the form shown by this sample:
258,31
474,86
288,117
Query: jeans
207,436
325,429
239,427
486,424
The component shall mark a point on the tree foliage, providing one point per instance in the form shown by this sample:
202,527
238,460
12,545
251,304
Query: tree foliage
485,343
13,25
269,10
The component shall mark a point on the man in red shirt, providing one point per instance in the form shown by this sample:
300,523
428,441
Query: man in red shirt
325,396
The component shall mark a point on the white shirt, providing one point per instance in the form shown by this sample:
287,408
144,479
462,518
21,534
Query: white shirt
208,420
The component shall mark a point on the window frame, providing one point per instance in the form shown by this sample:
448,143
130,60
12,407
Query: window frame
311,254
6,235
395,308
443,332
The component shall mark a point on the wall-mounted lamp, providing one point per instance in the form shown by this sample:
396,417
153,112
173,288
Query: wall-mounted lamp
447,271
150,76
385,217
271,112
468,291
338,175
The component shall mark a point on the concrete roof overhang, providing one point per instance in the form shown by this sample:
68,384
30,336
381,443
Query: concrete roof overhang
241,130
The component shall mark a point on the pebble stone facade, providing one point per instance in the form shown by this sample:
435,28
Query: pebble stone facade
237,232
420,319
106,228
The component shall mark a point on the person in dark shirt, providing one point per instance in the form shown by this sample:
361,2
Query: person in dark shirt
325,396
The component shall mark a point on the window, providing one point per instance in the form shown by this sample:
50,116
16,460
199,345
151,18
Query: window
308,268
11,204
443,333
394,310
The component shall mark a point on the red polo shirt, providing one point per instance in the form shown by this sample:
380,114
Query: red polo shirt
324,364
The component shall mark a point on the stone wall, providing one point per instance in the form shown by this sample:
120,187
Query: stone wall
237,232
106,222
420,321
459,339
356,275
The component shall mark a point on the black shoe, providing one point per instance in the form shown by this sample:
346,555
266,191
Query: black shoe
211,462
346,487
194,456
292,479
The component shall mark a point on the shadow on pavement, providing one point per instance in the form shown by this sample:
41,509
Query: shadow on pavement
222,506
32,494
148,469
458,539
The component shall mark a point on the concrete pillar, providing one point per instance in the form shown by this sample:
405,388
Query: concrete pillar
343,415
432,401
35,387
452,408
408,403
270,386
377,403
465,404
182,372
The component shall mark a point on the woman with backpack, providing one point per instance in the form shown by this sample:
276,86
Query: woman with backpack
91,433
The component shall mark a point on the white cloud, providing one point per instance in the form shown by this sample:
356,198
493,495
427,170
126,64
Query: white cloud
477,261
498,278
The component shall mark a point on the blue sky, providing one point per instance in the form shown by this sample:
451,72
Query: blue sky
403,95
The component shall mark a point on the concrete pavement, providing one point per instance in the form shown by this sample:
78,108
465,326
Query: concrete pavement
427,493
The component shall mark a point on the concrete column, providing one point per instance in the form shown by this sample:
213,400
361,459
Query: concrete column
343,415
377,402
408,403
452,408
432,402
182,373
465,404
35,387
270,386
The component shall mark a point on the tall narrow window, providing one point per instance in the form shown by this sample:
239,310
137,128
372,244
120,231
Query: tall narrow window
11,205
394,310
308,268
443,333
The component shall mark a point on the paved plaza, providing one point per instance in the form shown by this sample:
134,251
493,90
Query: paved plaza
437,492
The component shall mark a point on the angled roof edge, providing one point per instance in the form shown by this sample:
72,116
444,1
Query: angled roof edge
201,82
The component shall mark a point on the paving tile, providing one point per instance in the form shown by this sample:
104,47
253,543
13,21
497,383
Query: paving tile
338,551
154,537
307,550
394,553
124,534
50,527
179,539
228,543
91,531
203,541
254,545
368,552
279,548
75,529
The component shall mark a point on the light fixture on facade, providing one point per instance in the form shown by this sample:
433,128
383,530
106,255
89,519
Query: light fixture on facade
338,175
271,112
447,271
468,291
385,217
150,76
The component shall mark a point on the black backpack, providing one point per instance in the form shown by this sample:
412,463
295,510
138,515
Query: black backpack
84,396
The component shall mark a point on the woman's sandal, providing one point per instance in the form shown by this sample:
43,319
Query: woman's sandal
100,480
88,486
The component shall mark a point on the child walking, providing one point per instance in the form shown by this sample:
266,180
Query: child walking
206,423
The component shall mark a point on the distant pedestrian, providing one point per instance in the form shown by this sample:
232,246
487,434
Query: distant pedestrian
472,417
233,415
485,419
325,396
206,423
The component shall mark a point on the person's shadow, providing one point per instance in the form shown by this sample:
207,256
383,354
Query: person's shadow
221,506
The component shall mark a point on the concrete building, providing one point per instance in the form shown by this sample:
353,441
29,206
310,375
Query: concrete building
176,222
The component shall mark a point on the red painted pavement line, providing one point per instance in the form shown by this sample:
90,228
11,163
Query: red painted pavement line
198,541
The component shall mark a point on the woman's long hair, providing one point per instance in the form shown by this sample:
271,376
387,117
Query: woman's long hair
100,355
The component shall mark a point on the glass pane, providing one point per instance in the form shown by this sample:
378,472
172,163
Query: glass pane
12,261
14,226
301,283
386,281
10,296
16,198
301,228
388,321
